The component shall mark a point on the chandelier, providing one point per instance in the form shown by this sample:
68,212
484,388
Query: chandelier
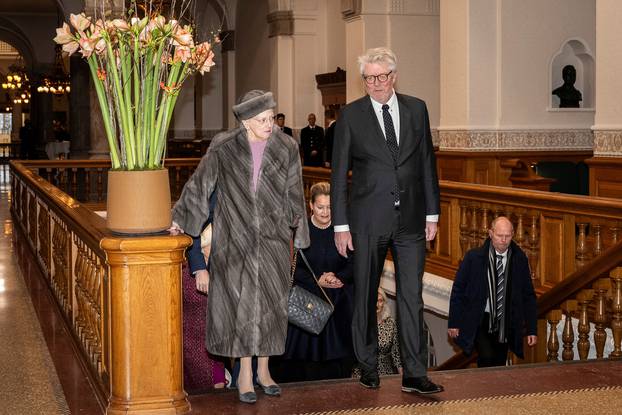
58,83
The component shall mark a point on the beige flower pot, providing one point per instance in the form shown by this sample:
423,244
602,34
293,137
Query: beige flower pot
139,202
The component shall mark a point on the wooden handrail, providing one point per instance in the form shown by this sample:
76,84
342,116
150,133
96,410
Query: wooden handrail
582,278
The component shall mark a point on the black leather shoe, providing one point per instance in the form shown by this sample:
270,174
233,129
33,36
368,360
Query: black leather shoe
421,385
370,379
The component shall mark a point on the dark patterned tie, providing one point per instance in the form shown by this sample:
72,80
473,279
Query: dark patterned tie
389,132
500,286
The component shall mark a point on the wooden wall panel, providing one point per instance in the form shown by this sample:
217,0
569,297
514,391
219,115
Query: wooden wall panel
552,250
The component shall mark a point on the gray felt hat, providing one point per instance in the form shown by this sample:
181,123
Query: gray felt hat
252,103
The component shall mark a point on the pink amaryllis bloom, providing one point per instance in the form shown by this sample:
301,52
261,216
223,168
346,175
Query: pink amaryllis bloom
64,35
203,57
87,46
121,25
182,36
67,39
182,53
79,21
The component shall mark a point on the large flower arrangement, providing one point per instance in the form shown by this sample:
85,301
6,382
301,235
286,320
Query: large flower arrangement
138,65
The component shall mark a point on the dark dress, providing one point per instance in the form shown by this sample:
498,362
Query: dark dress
329,354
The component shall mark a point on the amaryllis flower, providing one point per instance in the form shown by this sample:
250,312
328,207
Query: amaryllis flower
101,74
64,35
182,53
203,57
87,46
182,36
79,21
159,21
121,25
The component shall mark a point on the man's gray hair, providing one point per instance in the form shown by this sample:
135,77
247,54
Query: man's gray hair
378,55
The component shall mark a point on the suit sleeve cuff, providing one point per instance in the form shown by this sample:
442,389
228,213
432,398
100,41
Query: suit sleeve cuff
341,228
429,218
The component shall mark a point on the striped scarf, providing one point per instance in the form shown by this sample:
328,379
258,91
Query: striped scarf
494,324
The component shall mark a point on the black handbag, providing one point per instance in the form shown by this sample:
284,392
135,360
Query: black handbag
307,310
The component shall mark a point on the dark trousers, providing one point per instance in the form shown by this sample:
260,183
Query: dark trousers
490,352
408,252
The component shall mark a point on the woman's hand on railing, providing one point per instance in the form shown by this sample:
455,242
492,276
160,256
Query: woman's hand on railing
175,229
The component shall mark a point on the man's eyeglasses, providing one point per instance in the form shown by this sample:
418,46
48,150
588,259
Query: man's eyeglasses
383,77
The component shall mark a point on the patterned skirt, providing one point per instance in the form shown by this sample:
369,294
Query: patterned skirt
201,370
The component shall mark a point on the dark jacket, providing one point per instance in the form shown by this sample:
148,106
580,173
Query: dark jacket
360,145
469,295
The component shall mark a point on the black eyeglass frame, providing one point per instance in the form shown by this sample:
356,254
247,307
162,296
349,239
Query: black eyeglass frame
371,79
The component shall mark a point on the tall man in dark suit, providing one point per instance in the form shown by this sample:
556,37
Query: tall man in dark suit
312,143
493,304
385,139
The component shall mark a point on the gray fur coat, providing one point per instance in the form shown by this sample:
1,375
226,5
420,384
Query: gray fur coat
250,255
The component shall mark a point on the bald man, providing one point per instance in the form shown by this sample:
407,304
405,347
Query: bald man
493,303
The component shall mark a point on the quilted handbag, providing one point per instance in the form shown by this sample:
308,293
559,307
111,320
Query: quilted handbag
307,310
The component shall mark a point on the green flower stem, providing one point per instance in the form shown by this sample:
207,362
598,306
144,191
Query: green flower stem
164,102
155,87
118,96
125,56
137,115
101,97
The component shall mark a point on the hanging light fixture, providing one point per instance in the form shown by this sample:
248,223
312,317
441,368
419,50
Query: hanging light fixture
59,82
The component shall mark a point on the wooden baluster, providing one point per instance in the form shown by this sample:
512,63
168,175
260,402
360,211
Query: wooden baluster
473,239
583,345
600,315
581,248
464,229
598,241
553,317
616,312
483,231
569,307
74,182
534,248
614,234
100,185
519,230
87,185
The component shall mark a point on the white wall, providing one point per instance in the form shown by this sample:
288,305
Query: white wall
532,32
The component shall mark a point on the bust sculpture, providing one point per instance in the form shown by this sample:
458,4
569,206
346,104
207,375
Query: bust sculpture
568,95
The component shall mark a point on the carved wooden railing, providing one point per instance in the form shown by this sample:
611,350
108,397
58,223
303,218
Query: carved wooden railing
86,180
120,297
560,233
595,301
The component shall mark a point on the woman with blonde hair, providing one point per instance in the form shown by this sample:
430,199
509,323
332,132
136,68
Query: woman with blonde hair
328,355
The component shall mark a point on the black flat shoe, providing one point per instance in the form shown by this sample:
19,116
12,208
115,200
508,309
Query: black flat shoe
421,385
370,379
248,397
271,390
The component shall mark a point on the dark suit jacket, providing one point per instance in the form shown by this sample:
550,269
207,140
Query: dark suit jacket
312,139
360,145
470,294
288,131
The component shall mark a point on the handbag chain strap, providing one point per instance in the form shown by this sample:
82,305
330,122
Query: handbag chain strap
304,258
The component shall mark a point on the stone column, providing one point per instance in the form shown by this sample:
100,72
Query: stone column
228,77
16,121
80,108
605,166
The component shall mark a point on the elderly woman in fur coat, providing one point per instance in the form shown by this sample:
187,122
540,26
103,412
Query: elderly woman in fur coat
256,173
